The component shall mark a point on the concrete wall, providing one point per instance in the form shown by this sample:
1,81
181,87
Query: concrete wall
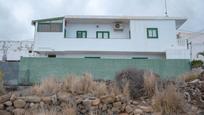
35,69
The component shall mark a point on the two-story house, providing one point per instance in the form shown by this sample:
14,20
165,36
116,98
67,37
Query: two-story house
127,37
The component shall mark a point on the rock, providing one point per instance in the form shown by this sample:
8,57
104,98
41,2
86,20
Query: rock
95,102
8,103
19,103
117,104
147,109
13,97
128,109
3,112
195,81
107,99
63,96
10,108
34,99
138,111
201,76
34,106
104,108
18,111
1,107
54,99
47,100
5,98
135,103
200,113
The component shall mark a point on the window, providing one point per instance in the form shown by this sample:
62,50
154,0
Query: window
152,33
81,34
102,34
139,57
51,55
93,57
50,26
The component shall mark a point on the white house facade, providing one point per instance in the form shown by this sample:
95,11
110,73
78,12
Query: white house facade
109,37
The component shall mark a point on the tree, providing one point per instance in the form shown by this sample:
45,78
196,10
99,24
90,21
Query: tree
200,53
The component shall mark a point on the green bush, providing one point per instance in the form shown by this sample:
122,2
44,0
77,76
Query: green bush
196,63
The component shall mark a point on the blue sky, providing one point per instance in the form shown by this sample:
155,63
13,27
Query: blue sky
16,15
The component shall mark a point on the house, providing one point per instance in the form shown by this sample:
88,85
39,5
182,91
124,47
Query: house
126,37
14,50
195,44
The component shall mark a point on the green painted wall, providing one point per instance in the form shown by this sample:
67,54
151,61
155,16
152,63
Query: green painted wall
35,69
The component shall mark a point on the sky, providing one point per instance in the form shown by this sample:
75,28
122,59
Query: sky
16,15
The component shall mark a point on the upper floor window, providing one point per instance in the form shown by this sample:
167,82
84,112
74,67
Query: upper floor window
81,34
152,33
50,26
102,34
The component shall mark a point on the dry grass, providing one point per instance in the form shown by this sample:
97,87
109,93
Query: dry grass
47,87
150,81
69,111
84,85
189,76
101,89
168,101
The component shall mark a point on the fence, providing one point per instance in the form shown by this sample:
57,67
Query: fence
10,72
33,70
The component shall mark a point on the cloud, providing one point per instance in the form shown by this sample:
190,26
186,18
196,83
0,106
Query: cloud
16,15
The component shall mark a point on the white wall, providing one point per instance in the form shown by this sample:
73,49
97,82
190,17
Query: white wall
138,42
92,28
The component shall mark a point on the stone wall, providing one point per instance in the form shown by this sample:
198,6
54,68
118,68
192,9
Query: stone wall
81,104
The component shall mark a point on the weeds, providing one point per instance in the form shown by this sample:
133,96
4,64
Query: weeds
168,100
48,86
150,80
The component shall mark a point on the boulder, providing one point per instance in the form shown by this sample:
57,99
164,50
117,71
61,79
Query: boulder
1,107
137,111
117,104
5,98
13,97
107,99
147,109
19,111
8,103
34,99
95,102
19,103
128,109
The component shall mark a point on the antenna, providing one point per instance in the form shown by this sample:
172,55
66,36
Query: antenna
166,10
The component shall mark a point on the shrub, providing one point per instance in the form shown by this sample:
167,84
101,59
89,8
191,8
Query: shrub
196,63
134,78
168,100
84,85
150,80
189,76
47,87
100,89
2,91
